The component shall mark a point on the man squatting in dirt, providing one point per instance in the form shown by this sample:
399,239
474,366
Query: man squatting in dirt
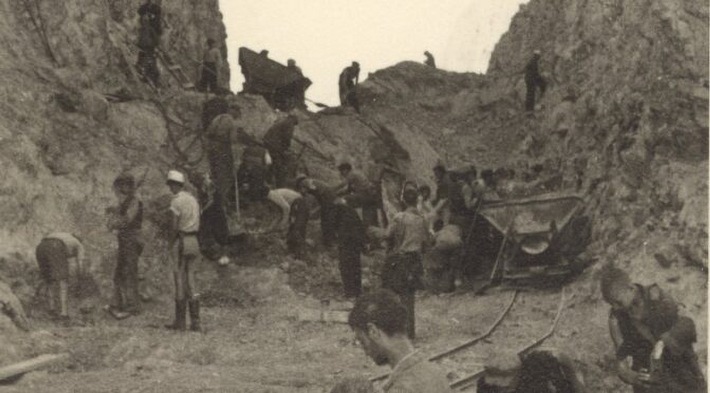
408,235
126,220
379,321
53,254
645,326
184,251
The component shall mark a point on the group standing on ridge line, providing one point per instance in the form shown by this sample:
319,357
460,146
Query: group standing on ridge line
651,339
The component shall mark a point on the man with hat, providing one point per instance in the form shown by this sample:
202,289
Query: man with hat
533,81
126,220
184,251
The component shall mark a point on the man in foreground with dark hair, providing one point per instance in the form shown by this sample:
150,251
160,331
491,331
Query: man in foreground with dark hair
645,326
379,321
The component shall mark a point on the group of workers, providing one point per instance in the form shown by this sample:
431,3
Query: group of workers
645,324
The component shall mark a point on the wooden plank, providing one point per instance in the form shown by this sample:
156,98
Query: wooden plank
23,367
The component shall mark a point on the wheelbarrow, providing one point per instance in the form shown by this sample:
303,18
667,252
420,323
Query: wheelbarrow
533,231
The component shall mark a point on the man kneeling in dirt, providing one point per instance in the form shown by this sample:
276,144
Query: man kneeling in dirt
379,321
645,326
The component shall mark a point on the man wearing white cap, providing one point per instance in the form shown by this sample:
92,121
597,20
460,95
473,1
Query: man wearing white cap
184,250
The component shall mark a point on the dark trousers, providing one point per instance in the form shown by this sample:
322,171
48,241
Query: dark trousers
369,204
327,223
125,277
350,269
532,86
208,79
402,275
148,66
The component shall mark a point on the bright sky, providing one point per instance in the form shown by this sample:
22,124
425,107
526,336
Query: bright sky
325,36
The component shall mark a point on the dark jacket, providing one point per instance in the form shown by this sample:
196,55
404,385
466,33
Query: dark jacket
679,370
278,137
349,227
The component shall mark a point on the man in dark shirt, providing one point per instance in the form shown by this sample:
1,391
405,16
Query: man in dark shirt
429,59
359,192
379,321
126,220
154,15
645,326
347,83
350,232
326,198
277,141
533,81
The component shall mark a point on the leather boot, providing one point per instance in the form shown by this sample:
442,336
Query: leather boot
195,325
179,323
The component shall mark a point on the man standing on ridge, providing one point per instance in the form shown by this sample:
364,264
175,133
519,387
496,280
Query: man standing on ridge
429,59
184,251
347,84
533,81
212,58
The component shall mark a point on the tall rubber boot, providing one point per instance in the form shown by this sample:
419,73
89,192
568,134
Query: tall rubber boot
195,325
179,323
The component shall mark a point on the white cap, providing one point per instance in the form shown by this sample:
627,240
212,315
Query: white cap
176,176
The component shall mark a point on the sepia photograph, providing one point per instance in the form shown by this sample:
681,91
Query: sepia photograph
321,196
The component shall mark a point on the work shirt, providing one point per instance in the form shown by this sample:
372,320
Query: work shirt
415,374
657,319
74,247
408,232
187,210
278,137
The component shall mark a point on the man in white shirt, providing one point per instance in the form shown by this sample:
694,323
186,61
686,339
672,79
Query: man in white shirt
184,251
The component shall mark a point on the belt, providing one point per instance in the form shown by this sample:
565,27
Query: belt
188,233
